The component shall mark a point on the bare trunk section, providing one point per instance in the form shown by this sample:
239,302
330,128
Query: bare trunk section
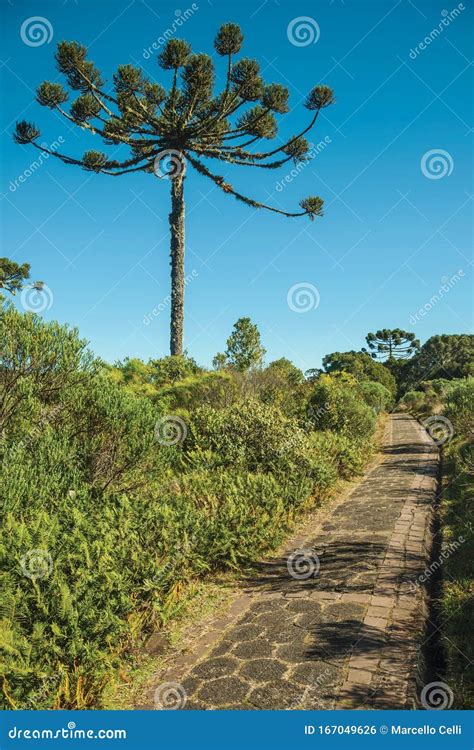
176,219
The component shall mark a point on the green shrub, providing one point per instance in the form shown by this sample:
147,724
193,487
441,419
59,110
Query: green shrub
460,406
348,456
412,401
456,601
336,404
251,436
38,361
454,399
376,396
362,367
215,389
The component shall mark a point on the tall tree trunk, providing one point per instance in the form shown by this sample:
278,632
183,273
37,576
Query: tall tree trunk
176,219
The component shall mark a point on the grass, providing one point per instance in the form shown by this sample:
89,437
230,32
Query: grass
456,606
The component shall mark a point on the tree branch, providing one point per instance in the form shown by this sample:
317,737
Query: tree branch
226,188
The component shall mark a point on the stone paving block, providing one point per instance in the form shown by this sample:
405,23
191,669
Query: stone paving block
375,622
382,612
359,676
358,598
253,649
223,691
366,662
277,695
325,595
381,601
263,670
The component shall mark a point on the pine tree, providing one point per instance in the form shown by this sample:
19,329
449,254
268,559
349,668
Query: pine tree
13,276
244,348
392,343
168,129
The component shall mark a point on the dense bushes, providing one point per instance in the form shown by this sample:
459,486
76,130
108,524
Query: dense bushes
104,525
348,456
337,404
376,396
457,511
454,401
217,389
460,407
362,367
446,356
252,436
72,444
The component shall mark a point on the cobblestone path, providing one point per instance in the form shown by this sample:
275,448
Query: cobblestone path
349,635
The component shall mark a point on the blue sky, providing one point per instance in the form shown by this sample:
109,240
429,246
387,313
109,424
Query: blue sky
392,234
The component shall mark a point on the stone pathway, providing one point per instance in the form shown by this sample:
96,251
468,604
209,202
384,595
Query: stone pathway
346,631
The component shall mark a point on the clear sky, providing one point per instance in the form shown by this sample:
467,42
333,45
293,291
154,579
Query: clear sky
397,221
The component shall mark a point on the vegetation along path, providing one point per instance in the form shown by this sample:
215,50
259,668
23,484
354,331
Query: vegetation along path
339,623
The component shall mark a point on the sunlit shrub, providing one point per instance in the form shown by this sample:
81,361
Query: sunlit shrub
337,404
348,456
376,396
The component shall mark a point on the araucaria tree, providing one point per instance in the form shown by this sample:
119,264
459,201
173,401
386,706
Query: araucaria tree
188,123
392,343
